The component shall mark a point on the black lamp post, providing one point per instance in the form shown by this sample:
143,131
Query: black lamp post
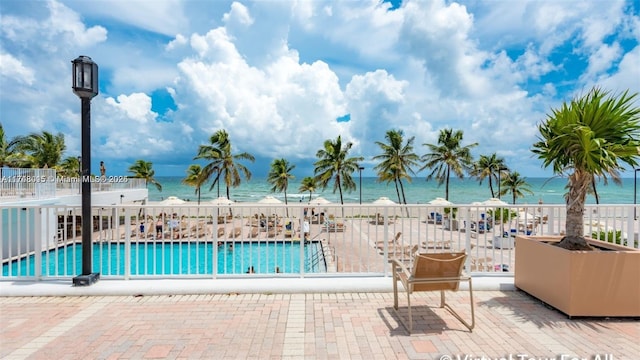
635,187
360,168
79,173
85,85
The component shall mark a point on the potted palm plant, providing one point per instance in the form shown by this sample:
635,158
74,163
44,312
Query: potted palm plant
590,137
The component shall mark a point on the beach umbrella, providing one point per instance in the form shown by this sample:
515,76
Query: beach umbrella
269,200
221,201
440,202
319,201
494,202
172,200
384,201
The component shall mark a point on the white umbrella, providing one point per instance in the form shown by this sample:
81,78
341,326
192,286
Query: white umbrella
319,201
221,201
269,200
494,202
172,200
440,202
384,201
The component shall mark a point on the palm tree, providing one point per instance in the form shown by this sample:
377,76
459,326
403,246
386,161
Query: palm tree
41,150
223,162
335,164
144,170
447,156
592,136
397,160
516,185
308,184
70,167
195,178
279,176
7,150
489,166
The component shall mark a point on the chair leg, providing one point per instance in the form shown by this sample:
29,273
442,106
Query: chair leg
456,315
409,308
409,327
395,291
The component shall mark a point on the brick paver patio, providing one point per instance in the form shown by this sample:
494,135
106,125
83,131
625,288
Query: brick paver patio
509,325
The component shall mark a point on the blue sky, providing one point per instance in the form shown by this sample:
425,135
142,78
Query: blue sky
283,76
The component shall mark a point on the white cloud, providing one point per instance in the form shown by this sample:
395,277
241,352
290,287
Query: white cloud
14,69
239,14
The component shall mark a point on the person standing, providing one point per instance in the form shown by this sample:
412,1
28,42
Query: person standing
103,170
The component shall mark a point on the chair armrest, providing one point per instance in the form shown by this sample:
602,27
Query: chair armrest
399,266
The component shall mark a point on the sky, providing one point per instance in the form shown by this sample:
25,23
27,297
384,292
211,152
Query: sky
283,76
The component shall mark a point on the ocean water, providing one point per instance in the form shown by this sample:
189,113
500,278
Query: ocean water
419,191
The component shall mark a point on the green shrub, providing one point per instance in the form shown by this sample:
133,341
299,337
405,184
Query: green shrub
614,237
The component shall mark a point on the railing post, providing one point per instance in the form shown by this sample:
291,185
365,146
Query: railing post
37,239
127,242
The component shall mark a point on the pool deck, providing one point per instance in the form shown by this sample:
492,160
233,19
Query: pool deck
332,318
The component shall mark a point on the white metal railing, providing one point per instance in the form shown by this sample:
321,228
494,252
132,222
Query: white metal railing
151,241
27,183
18,183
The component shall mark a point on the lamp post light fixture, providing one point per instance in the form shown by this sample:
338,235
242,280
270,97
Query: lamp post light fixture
360,168
85,85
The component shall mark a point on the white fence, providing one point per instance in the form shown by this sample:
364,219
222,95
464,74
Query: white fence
264,240
33,184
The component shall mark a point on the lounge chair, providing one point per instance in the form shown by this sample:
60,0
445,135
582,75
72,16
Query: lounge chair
437,244
272,232
403,251
235,233
288,229
434,218
221,231
380,244
431,272
332,226
254,233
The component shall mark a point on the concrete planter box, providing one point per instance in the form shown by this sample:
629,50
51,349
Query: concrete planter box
580,283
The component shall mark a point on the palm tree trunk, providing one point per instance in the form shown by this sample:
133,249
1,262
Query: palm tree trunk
395,182
404,198
446,191
574,240
491,185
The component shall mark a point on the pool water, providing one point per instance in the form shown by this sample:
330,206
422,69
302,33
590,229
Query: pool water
176,258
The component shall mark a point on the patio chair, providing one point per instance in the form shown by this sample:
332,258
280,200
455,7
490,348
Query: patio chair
431,272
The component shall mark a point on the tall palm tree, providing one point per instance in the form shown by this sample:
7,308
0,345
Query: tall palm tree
223,162
397,160
144,170
448,156
308,184
334,164
491,167
195,178
516,185
42,150
591,136
279,176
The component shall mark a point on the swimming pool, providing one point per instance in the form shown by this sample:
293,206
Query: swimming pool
177,258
